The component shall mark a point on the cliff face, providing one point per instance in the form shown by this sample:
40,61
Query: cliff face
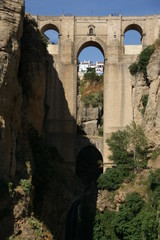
11,24
149,116
23,74
152,113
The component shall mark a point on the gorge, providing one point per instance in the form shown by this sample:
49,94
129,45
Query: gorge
47,170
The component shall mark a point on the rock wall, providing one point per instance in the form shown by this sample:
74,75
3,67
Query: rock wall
88,118
11,25
152,114
150,119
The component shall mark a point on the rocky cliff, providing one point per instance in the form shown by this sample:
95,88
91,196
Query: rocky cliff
11,24
148,115
30,172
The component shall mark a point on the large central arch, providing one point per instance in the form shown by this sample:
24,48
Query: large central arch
90,43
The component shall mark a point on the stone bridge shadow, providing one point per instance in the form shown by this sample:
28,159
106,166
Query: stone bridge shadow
71,181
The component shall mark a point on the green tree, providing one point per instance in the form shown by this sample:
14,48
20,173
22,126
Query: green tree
135,220
138,145
129,153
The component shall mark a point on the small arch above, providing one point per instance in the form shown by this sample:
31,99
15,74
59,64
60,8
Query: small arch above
135,27
51,35
132,40
49,26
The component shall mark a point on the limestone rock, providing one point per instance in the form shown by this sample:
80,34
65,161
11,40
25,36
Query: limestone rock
11,25
90,128
152,114
87,118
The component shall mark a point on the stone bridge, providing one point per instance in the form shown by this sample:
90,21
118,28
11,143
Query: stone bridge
107,34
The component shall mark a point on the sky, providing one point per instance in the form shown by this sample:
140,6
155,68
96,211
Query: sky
94,8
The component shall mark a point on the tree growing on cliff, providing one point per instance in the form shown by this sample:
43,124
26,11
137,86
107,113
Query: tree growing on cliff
129,154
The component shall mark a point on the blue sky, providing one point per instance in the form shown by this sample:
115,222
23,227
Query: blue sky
94,8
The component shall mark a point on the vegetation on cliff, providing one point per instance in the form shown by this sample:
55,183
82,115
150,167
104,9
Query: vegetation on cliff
140,66
91,89
129,154
137,217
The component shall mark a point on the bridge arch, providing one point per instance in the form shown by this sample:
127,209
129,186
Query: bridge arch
49,26
135,27
89,164
90,43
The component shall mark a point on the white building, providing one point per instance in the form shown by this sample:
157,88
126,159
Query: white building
99,68
83,66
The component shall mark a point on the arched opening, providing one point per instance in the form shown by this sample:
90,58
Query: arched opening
51,33
133,39
89,165
91,31
90,89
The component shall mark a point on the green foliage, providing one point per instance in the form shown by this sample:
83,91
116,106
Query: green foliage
37,227
133,68
103,228
118,144
10,187
111,179
135,220
138,145
26,185
100,131
13,238
93,99
144,102
92,76
154,186
129,153
155,154
143,61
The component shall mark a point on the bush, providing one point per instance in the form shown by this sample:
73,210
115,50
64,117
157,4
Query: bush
155,154
37,227
103,228
133,68
111,179
128,151
100,131
154,186
26,185
135,220
92,76
93,99
144,102
143,61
